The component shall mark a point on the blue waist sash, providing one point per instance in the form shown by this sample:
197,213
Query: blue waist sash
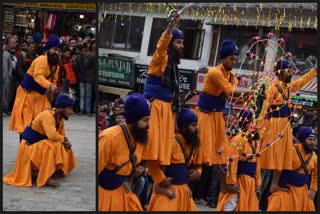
109,180
155,89
293,178
32,136
208,103
247,168
29,84
282,112
178,172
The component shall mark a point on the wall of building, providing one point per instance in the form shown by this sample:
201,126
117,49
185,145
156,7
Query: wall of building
240,15
142,57
210,24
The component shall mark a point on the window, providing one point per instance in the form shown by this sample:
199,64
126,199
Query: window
243,36
121,32
192,32
301,43
214,42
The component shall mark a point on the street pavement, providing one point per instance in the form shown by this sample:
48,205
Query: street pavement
205,208
77,190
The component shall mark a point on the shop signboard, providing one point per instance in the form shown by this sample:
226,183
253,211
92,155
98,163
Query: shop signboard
305,102
141,73
116,71
56,6
186,79
200,80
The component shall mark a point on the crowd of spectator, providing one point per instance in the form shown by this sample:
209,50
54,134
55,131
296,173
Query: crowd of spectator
77,64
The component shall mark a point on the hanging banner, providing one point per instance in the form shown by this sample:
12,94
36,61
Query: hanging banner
56,6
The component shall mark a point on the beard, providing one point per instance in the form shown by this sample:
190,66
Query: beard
53,58
192,138
256,136
307,148
177,52
139,134
228,68
287,79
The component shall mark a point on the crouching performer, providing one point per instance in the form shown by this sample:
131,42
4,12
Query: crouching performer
44,150
120,151
298,197
181,170
244,179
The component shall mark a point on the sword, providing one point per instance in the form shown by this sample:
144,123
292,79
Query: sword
170,18
185,7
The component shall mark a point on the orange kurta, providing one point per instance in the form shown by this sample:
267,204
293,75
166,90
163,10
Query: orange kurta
47,155
113,152
279,155
161,124
297,198
28,104
182,201
212,130
247,198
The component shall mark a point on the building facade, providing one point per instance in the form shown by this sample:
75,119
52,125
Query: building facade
131,31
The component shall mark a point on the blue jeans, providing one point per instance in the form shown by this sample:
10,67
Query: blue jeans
85,96
145,194
200,188
138,185
141,189
214,184
266,179
5,91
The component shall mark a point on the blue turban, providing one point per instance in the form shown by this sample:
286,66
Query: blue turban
54,41
176,34
64,101
283,64
304,133
185,118
136,107
37,37
243,115
228,48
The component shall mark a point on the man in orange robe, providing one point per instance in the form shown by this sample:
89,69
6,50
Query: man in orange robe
276,134
180,171
120,151
44,148
297,195
40,79
243,178
219,84
162,90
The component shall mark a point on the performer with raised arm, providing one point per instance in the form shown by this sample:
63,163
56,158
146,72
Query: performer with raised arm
162,90
275,128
